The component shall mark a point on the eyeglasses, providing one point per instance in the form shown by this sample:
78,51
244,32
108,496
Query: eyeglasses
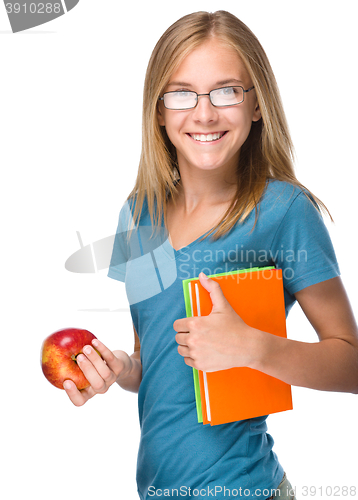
185,99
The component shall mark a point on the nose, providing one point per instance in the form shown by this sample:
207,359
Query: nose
204,111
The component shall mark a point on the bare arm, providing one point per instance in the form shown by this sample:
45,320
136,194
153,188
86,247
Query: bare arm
223,340
131,378
330,364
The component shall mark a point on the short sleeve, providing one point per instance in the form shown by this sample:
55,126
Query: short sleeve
117,267
302,247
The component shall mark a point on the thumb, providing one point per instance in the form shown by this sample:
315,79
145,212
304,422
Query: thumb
216,294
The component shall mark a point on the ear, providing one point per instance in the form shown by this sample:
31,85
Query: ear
257,113
160,114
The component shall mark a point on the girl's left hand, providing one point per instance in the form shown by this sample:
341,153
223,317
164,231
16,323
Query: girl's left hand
219,341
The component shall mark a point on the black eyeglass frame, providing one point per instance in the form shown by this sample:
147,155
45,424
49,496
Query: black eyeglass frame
209,94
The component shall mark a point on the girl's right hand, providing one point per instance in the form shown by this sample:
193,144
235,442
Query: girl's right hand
101,373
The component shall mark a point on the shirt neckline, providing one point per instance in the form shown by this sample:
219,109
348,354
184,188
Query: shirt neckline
169,249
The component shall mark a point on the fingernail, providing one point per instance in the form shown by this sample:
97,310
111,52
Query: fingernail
95,343
67,385
204,275
87,349
80,358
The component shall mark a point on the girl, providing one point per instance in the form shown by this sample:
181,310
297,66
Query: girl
215,181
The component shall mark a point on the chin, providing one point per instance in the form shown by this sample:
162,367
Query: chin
213,164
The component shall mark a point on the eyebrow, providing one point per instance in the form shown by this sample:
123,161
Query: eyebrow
222,82
231,80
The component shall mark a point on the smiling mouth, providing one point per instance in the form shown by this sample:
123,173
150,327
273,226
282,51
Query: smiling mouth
207,137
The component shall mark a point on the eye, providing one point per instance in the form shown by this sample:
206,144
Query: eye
227,91
182,93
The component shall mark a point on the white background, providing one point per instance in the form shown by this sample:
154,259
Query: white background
70,129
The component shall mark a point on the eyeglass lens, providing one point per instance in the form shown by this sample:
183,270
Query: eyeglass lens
183,99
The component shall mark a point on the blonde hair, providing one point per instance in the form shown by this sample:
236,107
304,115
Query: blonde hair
267,152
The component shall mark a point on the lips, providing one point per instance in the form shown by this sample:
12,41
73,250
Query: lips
212,137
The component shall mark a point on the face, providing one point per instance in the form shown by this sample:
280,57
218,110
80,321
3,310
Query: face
208,67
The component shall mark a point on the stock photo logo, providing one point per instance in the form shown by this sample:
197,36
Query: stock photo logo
28,14
148,260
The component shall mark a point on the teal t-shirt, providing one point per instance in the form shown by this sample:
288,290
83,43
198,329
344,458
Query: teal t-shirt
178,457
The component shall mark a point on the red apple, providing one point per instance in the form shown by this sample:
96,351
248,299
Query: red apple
58,356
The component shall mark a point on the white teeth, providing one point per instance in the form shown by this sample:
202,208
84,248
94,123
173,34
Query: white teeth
206,138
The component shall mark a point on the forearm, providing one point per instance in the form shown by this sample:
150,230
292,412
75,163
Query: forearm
329,365
131,377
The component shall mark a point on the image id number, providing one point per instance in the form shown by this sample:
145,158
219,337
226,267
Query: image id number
329,491
33,8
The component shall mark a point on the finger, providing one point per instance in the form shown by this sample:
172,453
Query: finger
77,397
111,360
100,364
182,325
94,378
189,361
216,294
182,338
183,351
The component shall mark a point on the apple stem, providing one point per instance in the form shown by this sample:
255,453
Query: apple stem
73,357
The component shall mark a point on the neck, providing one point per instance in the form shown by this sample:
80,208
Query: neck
204,188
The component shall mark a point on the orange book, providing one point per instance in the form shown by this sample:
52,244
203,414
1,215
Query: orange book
256,294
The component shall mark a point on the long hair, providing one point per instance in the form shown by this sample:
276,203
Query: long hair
267,152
